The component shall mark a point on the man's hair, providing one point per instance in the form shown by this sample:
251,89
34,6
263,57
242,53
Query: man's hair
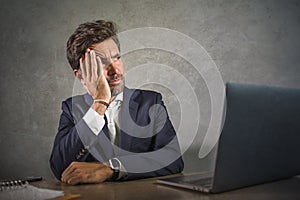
87,34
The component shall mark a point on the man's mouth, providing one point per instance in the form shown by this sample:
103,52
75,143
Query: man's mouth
115,80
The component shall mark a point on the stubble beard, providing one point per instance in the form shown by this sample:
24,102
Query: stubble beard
117,89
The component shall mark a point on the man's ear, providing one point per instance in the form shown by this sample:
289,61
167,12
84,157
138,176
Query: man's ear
77,74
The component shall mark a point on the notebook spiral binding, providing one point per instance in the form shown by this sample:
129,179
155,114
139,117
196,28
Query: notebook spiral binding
12,185
18,183
20,188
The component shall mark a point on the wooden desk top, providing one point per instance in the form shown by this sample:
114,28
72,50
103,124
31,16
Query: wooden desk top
147,189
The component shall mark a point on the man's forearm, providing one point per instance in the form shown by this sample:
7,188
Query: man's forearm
66,147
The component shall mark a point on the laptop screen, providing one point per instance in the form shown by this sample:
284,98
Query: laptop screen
260,140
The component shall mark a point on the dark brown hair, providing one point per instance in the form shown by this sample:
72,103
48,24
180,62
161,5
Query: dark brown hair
87,34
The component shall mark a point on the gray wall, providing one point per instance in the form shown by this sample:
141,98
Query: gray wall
250,41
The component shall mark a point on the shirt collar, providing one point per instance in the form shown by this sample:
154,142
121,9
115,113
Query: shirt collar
119,97
117,101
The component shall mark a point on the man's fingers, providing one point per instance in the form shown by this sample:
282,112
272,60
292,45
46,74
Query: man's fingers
81,172
94,66
82,68
74,180
68,171
100,66
87,64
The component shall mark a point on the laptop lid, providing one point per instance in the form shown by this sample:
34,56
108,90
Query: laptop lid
260,140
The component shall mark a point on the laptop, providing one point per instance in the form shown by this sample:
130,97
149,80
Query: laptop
259,143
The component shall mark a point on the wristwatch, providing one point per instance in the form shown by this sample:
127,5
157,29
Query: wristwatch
115,165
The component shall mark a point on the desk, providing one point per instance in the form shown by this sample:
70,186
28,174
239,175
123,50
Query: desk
147,189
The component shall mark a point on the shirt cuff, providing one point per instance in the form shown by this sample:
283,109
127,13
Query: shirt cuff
94,121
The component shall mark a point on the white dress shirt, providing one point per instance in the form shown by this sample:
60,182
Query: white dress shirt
96,122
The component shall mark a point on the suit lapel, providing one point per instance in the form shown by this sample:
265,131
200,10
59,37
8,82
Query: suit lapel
128,110
129,99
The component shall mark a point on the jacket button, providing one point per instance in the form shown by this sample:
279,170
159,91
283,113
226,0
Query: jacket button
78,157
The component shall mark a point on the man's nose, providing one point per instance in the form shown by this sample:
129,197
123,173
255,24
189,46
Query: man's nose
113,69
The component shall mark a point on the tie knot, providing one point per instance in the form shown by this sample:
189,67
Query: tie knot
115,104
112,110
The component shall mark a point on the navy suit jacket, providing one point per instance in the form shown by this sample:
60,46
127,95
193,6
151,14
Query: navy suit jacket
147,144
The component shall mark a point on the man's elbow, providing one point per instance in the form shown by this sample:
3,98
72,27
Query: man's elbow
176,167
55,168
180,165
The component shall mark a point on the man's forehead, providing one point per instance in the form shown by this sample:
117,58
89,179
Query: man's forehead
105,48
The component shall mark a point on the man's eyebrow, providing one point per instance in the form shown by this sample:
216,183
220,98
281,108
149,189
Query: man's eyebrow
116,55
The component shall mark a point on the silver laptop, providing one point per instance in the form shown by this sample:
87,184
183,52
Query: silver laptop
260,140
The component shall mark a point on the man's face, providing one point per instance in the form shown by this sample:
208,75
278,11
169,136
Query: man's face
112,64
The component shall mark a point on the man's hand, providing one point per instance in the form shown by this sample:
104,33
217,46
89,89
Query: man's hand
93,76
84,172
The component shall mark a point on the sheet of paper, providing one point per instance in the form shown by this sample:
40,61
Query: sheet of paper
28,192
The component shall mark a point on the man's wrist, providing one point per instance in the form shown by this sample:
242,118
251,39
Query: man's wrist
109,172
99,107
115,165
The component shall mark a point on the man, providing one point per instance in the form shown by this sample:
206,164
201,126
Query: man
112,132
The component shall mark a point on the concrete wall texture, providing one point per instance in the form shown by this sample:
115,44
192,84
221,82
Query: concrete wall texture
250,41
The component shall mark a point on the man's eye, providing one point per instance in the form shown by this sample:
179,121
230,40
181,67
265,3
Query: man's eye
104,61
117,58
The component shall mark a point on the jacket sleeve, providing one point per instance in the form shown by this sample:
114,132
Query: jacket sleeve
68,146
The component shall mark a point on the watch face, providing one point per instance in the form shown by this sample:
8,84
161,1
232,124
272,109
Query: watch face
114,164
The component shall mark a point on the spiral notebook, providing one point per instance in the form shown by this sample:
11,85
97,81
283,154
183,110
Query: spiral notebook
21,189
